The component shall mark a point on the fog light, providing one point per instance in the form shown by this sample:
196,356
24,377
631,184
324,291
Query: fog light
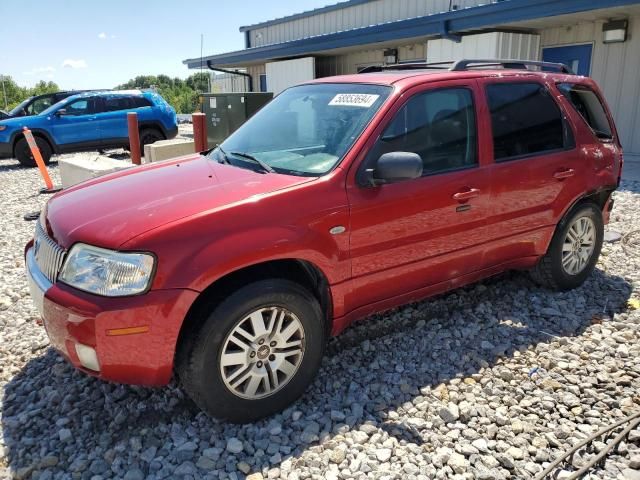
88,357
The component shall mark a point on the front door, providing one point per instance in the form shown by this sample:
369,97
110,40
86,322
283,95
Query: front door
76,127
417,233
576,57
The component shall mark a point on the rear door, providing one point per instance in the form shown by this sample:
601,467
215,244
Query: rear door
112,118
77,127
537,170
422,232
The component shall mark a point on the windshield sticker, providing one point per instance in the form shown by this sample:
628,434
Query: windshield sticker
363,100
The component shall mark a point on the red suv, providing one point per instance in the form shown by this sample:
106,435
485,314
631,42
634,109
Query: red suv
342,197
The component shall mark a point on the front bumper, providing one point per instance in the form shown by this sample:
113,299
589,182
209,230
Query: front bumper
6,151
134,338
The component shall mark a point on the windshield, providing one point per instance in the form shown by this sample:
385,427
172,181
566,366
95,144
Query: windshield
19,110
306,130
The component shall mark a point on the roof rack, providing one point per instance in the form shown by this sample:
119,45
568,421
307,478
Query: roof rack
468,64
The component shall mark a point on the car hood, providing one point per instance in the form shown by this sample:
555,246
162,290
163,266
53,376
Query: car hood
113,209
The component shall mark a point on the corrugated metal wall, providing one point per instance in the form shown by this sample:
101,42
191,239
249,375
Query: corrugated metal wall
350,63
485,45
284,74
228,83
616,68
358,16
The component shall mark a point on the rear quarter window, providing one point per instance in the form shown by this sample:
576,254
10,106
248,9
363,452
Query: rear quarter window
589,106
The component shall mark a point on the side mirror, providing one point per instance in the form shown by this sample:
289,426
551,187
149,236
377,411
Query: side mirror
395,167
61,112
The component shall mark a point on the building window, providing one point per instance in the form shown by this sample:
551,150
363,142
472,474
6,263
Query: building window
263,82
525,120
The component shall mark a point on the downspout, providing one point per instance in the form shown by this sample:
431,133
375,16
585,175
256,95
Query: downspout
445,33
232,72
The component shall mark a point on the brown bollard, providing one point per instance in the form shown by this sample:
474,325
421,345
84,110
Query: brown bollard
134,137
200,132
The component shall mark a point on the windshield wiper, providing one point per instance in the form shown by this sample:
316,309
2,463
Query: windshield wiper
223,158
255,160
603,135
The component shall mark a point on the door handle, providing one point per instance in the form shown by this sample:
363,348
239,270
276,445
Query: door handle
562,174
466,195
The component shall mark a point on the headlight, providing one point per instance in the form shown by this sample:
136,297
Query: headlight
106,272
3,127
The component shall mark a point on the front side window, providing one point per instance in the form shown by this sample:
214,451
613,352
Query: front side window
40,105
84,106
306,130
525,120
439,126
589,106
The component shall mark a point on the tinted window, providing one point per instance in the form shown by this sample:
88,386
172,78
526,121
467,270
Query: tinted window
84,106
439,126
587,103
40,105
113,104
525,120
139,102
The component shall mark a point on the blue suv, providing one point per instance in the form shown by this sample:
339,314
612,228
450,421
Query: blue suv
89,121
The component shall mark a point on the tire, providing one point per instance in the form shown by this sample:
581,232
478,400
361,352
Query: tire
23,153
149,136
550,272
211,386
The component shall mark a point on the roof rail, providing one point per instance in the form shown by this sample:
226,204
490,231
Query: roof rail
407,66
466,64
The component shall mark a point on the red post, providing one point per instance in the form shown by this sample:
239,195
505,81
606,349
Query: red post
200,132
134,137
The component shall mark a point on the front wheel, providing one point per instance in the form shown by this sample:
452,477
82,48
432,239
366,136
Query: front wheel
574,249
24,155
256,352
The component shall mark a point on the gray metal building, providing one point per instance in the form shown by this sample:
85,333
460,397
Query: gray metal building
596,38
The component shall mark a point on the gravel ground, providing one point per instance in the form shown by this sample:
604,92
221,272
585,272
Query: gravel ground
446,388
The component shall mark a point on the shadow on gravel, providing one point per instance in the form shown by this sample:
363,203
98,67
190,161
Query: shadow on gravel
56,418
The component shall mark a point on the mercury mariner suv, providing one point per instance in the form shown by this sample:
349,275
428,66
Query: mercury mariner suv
342,197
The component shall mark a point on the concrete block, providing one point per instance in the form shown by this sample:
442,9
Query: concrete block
78,169
166,149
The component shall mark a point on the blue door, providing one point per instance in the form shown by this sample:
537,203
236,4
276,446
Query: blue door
577,57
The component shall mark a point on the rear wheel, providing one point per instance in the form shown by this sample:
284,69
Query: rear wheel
574,249
256,353
149,136
23,153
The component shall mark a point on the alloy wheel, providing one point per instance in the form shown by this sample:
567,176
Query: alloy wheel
262,352
579,245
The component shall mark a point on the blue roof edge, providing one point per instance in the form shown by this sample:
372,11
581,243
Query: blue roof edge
482,16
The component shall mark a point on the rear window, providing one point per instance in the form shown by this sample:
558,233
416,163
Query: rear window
589,106
525,120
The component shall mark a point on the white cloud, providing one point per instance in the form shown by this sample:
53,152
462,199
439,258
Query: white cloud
71,63
102,35
39,70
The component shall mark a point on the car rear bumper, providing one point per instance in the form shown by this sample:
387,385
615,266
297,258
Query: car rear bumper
5,150
126,340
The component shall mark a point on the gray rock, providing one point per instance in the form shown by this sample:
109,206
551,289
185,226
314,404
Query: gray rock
450,413
234,445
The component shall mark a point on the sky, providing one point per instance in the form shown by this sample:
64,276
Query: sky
82,44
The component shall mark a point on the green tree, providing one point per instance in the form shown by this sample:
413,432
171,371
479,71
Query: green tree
16,94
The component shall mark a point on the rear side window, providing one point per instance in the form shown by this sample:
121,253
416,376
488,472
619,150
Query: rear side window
439,126
139,102
525,120
587,103
113,104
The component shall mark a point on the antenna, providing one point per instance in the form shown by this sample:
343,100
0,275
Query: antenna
201,55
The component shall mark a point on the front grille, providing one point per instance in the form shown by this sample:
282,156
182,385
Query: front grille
49,255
